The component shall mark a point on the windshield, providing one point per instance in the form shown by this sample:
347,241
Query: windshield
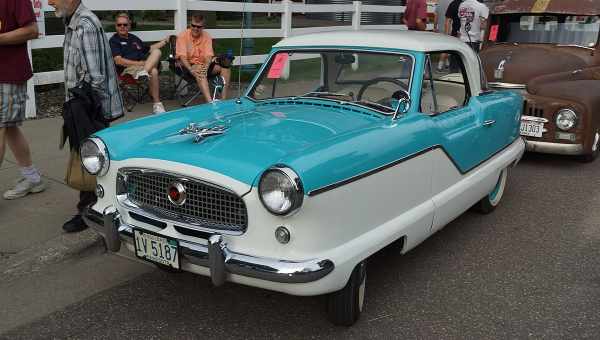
549,29
372,79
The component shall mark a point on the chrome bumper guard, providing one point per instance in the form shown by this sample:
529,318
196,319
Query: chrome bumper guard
554,148
215,255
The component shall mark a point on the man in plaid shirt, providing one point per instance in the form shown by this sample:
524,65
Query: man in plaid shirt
87,58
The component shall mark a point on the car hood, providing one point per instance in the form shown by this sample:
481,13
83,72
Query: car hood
524,62
256,136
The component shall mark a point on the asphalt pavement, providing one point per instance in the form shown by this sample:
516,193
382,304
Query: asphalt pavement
529,270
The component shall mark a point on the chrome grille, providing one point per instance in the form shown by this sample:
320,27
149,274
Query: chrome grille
529,109
207,205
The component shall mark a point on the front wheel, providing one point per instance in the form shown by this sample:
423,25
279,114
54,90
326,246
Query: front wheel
345,306
492,200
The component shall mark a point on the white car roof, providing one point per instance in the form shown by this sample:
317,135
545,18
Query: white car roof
401,39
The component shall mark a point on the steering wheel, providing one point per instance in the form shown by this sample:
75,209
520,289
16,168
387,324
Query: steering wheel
374,81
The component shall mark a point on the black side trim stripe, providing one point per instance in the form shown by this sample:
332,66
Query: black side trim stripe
402,160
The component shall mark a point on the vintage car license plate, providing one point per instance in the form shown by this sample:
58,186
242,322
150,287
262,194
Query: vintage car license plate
532,129
158,249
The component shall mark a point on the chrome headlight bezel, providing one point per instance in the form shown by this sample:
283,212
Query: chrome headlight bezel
566,115
291,196
94,156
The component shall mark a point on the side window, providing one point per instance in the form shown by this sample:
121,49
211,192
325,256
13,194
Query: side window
445,85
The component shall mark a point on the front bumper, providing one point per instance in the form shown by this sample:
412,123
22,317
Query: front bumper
554,148
215,255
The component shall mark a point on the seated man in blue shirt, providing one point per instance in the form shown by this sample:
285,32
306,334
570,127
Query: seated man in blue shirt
134,58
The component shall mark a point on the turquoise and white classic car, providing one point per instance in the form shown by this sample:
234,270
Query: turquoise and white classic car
343,143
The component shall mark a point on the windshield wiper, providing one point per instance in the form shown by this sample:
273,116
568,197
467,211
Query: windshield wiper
374,104
320,94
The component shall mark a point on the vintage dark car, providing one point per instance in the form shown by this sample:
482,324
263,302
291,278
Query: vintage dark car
548,50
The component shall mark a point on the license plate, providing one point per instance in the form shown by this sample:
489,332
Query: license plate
532,129
157,249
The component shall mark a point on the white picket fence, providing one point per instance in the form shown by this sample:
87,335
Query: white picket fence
181,8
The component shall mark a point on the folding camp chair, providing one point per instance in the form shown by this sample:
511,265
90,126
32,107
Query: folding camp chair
186,88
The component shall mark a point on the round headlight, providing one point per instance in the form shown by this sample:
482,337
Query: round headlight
280,190
566,119
94,156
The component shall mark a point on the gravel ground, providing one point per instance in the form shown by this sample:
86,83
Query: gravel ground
49,99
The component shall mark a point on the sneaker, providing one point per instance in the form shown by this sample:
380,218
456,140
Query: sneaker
158,108
74,225
24,187
141,75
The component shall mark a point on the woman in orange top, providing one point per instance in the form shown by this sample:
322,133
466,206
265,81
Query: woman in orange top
195,51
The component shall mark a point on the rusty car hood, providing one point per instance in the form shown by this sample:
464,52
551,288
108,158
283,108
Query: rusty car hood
523,62
581,86
575,7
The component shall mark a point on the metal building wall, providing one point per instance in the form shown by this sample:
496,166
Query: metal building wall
367,18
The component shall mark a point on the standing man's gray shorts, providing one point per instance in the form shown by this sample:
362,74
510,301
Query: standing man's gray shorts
13,98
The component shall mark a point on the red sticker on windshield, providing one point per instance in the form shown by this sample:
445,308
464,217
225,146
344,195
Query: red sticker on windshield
493,33
277,66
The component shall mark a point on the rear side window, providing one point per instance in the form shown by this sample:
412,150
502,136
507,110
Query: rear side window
445,86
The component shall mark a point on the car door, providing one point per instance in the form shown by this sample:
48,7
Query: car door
457,116
460,134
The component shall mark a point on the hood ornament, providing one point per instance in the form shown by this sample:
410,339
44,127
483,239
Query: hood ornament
201,133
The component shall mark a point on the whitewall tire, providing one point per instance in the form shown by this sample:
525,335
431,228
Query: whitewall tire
492,200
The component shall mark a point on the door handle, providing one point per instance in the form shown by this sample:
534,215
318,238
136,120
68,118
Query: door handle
489,122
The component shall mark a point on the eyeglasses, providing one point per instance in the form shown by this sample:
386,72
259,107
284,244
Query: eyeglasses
197,26
122,25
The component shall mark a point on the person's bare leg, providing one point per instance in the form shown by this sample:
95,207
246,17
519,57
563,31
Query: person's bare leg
32,181
2,144
19,146
154,85
153,60
203,85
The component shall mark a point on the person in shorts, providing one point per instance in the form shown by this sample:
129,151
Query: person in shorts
195,52
134,58
17,26
473,16
451,27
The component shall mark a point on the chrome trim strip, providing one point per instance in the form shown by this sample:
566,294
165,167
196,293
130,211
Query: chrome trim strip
126,170
535,119
576,45
506,85
219,259
554,148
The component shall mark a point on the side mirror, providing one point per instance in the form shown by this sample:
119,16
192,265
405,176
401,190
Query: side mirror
400,103
403,107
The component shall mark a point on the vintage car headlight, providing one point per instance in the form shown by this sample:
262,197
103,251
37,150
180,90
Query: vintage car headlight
566,119
280,190
94,156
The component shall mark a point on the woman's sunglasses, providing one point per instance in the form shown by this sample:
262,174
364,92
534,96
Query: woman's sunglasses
122,25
